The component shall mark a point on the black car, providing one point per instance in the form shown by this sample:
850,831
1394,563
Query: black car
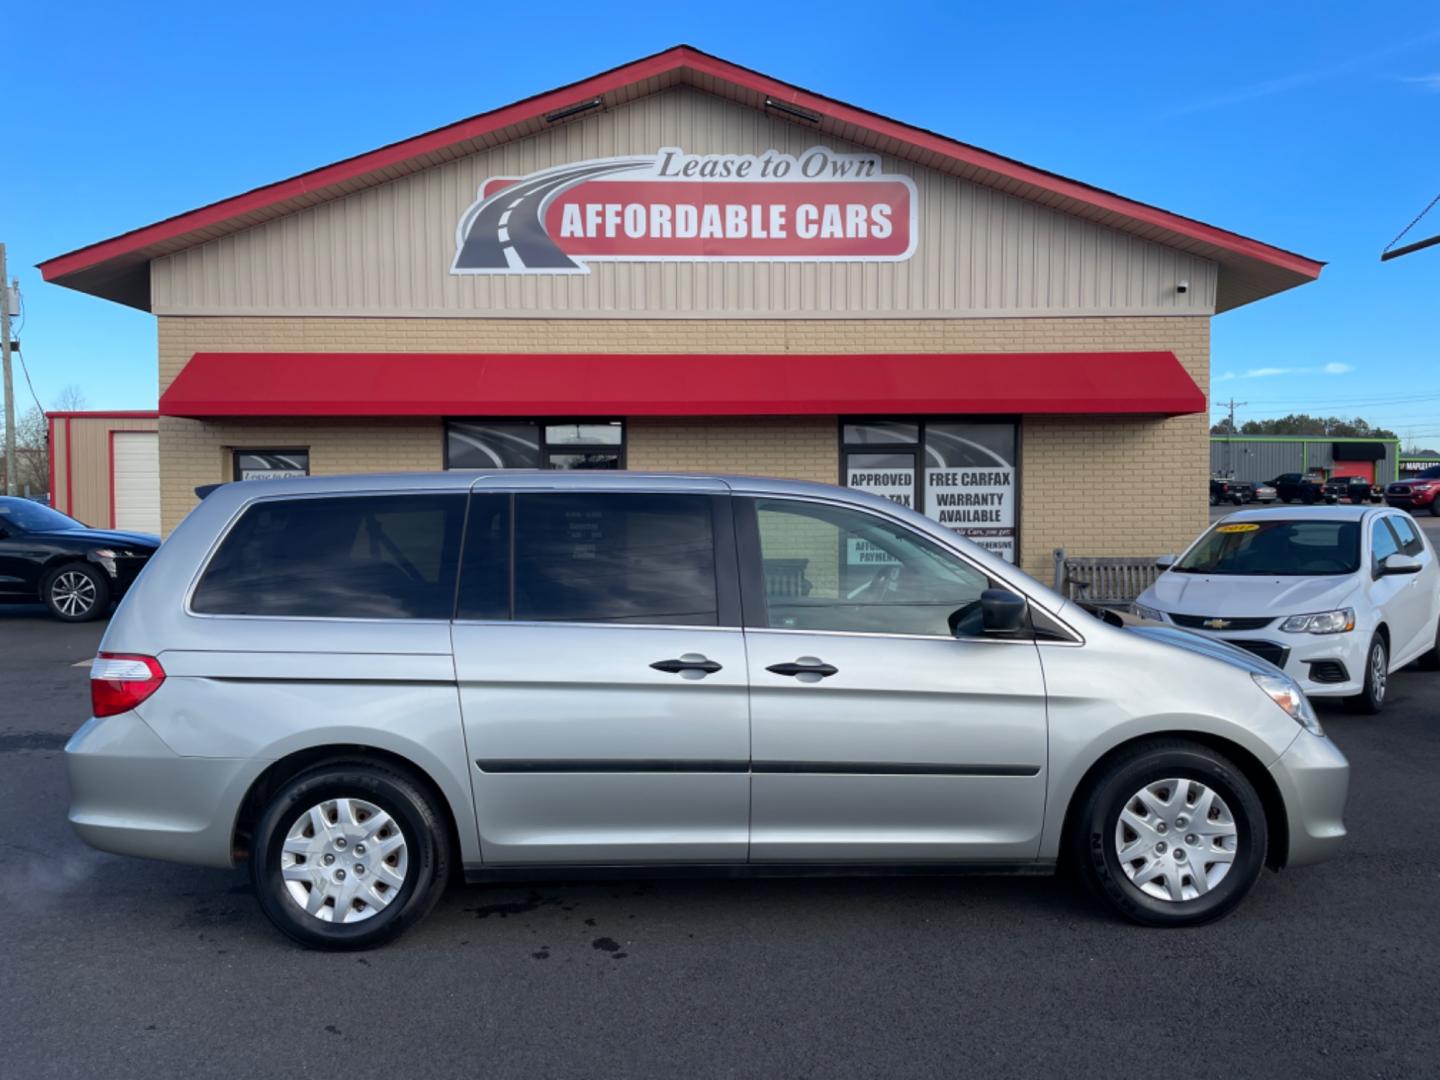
1223,491
73,570
1294,486
1354,488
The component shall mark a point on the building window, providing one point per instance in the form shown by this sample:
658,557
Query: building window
271,464
531,444
961,473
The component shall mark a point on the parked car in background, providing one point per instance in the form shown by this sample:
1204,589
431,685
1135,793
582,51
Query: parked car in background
1419,492
363,684
1354,489
1338,597
1224,490
1263,493
53,559
1298,487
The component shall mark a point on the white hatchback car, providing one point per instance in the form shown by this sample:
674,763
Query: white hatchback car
1336,596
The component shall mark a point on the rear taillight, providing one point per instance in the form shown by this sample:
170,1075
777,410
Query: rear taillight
120,681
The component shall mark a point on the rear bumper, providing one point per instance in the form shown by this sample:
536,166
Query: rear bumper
132,795
1314,781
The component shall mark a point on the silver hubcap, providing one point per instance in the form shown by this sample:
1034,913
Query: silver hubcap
344,860
1176,839
1378,673
73,593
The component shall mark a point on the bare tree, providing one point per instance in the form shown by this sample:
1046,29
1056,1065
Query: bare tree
71,399
32,455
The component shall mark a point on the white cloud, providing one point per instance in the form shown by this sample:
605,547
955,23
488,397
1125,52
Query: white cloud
1335,367
1425,82
1238,95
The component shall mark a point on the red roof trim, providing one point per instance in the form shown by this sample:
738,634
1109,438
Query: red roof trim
650,384
123,414
678,57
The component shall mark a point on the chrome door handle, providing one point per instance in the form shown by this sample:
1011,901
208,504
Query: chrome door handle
688,662
805,666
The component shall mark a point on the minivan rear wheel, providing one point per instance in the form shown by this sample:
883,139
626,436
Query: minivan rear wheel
347,855
1171,833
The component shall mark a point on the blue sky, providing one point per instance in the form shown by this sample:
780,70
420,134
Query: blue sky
1314,127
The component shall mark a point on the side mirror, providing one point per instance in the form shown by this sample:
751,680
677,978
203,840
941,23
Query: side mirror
1399,564
1002,612
1164,562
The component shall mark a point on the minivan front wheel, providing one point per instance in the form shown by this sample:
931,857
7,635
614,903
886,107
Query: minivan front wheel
348,855
1171,834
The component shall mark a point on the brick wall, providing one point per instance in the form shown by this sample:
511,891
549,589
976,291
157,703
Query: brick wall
1096,486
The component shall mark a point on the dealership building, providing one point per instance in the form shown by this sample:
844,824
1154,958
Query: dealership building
685,265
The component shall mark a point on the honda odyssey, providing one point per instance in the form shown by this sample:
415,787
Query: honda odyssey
361,686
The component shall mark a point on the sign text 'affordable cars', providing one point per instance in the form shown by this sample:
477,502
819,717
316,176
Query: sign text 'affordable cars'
817,206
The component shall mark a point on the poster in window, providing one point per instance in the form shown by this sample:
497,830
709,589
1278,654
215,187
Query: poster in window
271,464
891,476
970,482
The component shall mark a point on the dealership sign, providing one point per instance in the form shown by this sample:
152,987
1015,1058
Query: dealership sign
817,206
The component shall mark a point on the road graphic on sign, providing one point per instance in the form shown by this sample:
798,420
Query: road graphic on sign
507,230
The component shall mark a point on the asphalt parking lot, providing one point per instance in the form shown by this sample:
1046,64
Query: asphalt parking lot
127,968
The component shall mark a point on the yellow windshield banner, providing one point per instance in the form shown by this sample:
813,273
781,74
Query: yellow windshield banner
1239,527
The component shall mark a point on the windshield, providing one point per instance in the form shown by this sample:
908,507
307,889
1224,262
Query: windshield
1276,548
27,516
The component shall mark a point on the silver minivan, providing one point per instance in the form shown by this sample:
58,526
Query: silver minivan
365,686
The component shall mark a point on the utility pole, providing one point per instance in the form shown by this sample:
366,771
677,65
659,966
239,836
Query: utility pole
9,381
1232,405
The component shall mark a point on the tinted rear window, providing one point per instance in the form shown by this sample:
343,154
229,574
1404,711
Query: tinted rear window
615,557
364,557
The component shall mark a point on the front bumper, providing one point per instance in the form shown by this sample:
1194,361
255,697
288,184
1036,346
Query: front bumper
1325,665
1314,781
1412,502
132,795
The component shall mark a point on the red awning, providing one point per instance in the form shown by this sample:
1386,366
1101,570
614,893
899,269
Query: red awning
701,384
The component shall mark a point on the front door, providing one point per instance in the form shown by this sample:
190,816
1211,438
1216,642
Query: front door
1407,600
607,721
878,734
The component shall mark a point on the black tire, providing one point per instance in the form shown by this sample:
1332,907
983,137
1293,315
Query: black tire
1371,700
427,848
64,592
1238,500
1287,500
1098,815
1435,506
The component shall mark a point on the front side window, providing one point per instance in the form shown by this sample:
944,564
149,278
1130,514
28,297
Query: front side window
361,557
1410,542
529,444
1382,543
1276,548
615,558
833,568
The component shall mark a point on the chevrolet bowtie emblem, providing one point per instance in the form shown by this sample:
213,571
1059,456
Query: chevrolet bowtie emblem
1216,624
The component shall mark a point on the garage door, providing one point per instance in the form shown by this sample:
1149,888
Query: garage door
137,481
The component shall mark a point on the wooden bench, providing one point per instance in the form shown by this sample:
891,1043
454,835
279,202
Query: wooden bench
1112,582
786,578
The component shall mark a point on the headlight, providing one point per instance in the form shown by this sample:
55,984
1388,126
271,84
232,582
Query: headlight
1286,693
1148,613
1326,622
